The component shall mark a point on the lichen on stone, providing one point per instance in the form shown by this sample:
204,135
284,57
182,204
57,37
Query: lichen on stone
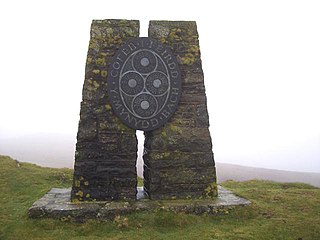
77,183
108,107
212,190
79,193
186,59
101,62
96,71
104,73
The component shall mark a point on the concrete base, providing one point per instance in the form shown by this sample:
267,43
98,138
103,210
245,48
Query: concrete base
56,204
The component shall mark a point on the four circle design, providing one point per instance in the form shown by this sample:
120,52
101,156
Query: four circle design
144,83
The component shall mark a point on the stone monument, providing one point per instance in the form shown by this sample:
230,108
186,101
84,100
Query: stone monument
156,85
153,84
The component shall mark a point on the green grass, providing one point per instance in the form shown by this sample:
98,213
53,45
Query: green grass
278,211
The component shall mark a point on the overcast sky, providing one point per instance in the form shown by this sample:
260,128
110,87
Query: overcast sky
261,61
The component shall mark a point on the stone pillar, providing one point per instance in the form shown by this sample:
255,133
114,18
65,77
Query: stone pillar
178,157
106,150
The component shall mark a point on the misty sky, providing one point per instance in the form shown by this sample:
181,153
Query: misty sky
261,61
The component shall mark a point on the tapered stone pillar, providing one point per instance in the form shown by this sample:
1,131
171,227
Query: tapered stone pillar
178,158
106,150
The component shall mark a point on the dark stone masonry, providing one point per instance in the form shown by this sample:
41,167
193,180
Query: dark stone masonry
106,150
159,86
178,156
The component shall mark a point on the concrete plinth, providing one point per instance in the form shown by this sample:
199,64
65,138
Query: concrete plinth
57,204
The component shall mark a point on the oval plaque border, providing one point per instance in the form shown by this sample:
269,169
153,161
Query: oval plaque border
146,61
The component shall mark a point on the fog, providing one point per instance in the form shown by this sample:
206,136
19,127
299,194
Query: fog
260,59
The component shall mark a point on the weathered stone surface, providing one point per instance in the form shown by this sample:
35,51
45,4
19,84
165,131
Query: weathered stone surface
178,157
106,149
57,204
174,138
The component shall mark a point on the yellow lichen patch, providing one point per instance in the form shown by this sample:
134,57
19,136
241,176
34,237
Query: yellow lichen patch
92,85
175,129
77,183
98,110
75,200
211,190
101,62
96,71
162,40
111,39
129,32
79,193
87,195
175,34
96,85
108,107
81,178
86,183
94,45
187,59
194,49
164,135
89,60
104,73
109,31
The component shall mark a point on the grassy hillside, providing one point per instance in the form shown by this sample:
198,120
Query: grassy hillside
279,211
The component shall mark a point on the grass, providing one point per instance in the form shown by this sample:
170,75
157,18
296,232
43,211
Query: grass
278,211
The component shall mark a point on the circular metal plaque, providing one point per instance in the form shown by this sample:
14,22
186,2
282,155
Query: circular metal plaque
144,84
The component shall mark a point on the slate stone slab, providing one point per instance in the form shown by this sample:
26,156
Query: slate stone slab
106,150
57,204
178,158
